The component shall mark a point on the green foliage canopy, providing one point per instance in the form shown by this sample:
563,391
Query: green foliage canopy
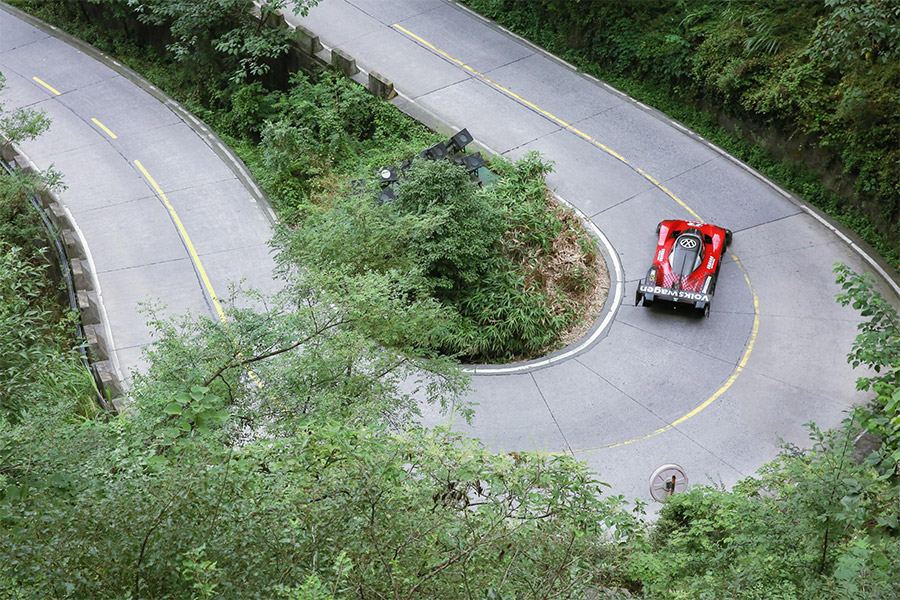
877,348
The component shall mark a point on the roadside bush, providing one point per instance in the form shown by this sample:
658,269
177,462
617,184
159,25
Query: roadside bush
811,525
877,348
464,230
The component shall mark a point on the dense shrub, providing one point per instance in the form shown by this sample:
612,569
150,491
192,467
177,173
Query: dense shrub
484,253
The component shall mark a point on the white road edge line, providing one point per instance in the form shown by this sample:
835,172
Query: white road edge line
805,208
884,274
584,343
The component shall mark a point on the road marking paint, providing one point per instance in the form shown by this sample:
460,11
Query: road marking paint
550,116
752,340
187,241
48,86
855,247
104,128
725,386
194,257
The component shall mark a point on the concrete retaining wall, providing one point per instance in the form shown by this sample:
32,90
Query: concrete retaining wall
88,303
307,54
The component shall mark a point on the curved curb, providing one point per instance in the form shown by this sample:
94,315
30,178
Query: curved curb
616,280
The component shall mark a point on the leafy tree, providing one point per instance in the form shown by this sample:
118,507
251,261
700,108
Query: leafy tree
464,226
299,357
877,347
481,253
855,31
813,524
206,32
344,511
309,484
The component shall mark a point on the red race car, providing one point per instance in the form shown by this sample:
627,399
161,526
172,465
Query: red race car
686,266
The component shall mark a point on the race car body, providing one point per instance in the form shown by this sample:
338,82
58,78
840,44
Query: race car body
686,265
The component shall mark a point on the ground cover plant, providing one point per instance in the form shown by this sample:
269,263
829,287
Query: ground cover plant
805,92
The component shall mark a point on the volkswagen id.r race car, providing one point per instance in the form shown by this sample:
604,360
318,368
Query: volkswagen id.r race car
686,266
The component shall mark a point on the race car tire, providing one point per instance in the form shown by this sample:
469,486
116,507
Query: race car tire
658,227
728,235
703,312
647,303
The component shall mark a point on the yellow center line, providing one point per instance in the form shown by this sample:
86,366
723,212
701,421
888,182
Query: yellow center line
754,331
187,241
194,257
48,86
550,116
728,383
104,128
737,371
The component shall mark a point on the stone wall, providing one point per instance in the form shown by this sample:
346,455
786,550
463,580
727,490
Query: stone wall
88,304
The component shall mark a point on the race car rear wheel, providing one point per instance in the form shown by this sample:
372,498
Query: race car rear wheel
728,235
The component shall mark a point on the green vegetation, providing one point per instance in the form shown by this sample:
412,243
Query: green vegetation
439,240
488,258
317,485
822,76
876,348
36,356
331,511
812,524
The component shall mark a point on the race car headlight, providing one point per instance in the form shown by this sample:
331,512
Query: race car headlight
707,283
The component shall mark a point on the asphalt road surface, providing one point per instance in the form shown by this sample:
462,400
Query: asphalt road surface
168,214
647,387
